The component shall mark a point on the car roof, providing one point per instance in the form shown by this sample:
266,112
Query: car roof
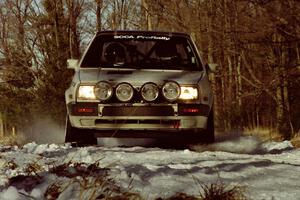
137,32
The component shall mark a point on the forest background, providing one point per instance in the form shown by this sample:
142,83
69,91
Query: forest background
256,44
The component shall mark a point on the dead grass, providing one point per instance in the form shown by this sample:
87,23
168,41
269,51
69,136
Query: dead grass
180,196
296,140
213,191
91,182
12,140
265,134
124,196
221,191
53,191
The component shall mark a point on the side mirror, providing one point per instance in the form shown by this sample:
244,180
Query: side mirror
212,67
72,64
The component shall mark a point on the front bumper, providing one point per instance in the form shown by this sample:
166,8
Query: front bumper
139,123
139,117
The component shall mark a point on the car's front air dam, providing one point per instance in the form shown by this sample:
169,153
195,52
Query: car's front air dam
169,123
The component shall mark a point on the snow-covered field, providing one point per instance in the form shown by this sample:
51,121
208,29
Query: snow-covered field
266,170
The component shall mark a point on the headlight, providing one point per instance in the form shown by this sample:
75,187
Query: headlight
103,91
171,91
149,91
124,92
86,92
189,93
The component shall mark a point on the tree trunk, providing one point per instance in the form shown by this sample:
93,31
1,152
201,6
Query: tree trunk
279,101
297,53
211,60
283,125
98,14
146,15
73,33
1,125
239,83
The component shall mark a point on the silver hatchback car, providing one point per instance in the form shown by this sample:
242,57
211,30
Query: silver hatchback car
139,84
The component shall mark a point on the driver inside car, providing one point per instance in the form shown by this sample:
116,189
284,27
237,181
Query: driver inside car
115,54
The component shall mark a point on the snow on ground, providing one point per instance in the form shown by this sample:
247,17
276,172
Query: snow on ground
267,171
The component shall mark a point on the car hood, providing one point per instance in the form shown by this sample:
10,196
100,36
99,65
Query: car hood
139,77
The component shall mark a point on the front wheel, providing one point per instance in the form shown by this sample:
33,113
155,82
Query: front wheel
206,136
78,136
209,135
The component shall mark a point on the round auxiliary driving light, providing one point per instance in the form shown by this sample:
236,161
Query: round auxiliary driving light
124,92
103,90
149,91
171,91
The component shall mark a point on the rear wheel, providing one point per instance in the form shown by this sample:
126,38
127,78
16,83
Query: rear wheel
77,136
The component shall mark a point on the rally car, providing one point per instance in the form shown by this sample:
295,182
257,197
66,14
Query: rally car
139,84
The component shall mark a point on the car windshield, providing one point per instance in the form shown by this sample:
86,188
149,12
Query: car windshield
141,52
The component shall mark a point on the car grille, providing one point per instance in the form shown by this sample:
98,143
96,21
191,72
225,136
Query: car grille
138,111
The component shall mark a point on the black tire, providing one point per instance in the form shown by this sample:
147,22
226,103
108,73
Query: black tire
205,136
77,136
209,136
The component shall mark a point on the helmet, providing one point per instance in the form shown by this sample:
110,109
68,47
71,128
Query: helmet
115,52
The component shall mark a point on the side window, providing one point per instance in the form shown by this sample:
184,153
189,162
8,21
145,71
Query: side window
182,51
191,56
